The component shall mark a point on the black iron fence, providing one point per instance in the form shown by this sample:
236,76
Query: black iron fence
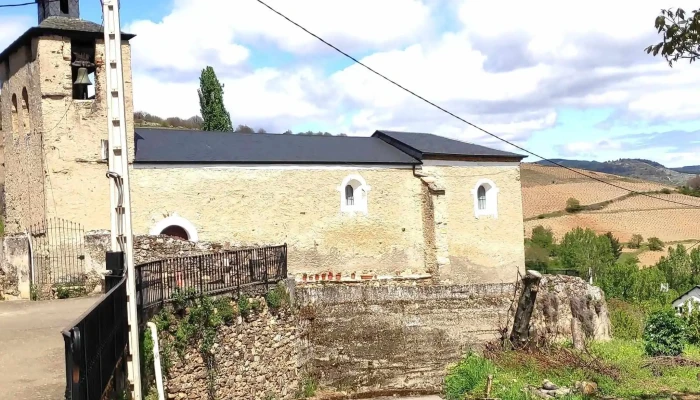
209,274
95,344
58,254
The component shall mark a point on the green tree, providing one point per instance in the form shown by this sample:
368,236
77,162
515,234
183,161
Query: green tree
681,35
677,268
543,238
655,244
635,242
617,280
585,251
695,264
573,205
614,245
211,103
647,285
536,258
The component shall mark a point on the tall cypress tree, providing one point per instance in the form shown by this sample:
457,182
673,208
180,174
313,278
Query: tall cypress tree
211,102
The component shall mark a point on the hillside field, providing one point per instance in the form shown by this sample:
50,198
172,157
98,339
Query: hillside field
607,208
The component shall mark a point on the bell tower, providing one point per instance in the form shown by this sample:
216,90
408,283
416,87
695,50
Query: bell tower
58,8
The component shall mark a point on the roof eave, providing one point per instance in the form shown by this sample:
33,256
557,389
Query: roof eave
495,157
38,31
161,162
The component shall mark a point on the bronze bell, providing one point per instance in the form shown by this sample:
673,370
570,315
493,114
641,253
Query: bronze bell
82,78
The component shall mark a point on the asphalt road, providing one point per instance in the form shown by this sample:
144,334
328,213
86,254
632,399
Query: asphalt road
32,358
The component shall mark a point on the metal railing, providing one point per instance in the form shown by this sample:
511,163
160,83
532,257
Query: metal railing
209,274
95,344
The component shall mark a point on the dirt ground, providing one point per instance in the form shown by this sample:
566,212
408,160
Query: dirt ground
32,357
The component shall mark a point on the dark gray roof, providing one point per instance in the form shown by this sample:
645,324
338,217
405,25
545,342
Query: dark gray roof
187,146
62,26
70,24
427,145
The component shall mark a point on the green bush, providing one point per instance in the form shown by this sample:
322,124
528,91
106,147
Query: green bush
664,334
655,244
277,298
256,305
308,388
692,321
536,258
183,298
225,310
627,320
470,373
666,191
573,205
244,306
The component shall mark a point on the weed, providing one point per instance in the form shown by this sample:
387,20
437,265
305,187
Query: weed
256,305
471,372
244,306
33,292
308,388
225,310
277,298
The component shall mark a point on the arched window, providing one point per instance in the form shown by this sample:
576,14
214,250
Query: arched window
353,194
485,198
25,111
15,117
481,195
349,196
176,226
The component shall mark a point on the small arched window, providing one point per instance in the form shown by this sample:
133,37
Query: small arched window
485,198
25,111
349,195
15,117
353,194
481,195
176,226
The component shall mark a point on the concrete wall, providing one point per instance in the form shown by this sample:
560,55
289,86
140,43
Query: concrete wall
301,207
392,339
486,249
22,129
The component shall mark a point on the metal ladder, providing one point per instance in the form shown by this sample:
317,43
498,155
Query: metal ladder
119,191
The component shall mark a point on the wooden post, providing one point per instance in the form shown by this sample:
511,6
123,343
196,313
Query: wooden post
520,335
489,382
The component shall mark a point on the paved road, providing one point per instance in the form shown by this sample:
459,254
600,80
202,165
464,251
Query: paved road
31,347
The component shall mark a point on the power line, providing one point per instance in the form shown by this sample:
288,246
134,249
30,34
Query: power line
460,118
17,5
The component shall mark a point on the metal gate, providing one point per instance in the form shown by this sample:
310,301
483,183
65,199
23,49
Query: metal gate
58,255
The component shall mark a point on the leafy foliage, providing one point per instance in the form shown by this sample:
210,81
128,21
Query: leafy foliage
467,375
277,297
543,237
614,245
585,251
211,103
635,242
681,35
573,205
655,244
678,268
142,118
664,334
692,321
244,306
626,320
225,310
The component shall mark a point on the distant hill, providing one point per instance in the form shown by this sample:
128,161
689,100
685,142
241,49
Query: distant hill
633,168
691,169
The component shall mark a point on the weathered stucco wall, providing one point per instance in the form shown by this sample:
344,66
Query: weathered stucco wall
15,275
22,139
484,249
77,189
298,206
392,339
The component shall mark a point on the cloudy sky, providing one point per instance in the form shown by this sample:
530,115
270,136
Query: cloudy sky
564,79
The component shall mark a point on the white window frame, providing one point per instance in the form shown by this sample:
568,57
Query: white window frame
360,193
492,190
176,220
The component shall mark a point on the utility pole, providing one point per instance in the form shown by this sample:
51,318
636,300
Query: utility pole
119,190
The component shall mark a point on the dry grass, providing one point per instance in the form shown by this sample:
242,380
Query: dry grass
644,203
669,225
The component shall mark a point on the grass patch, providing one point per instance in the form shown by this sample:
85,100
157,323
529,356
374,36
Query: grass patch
619,368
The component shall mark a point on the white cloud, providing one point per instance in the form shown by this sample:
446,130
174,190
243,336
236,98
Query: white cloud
589,148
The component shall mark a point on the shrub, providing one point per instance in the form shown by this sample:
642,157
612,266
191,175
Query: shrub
635,242
655,244
692,321
542,237
626,320
225,310
573,205
664,334
666,191
277,298
614,244
466,376
308,388
244,306
256,305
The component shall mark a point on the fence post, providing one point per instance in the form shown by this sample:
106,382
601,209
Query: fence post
201,275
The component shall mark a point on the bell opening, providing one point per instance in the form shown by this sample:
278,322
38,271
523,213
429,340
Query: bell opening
83,69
